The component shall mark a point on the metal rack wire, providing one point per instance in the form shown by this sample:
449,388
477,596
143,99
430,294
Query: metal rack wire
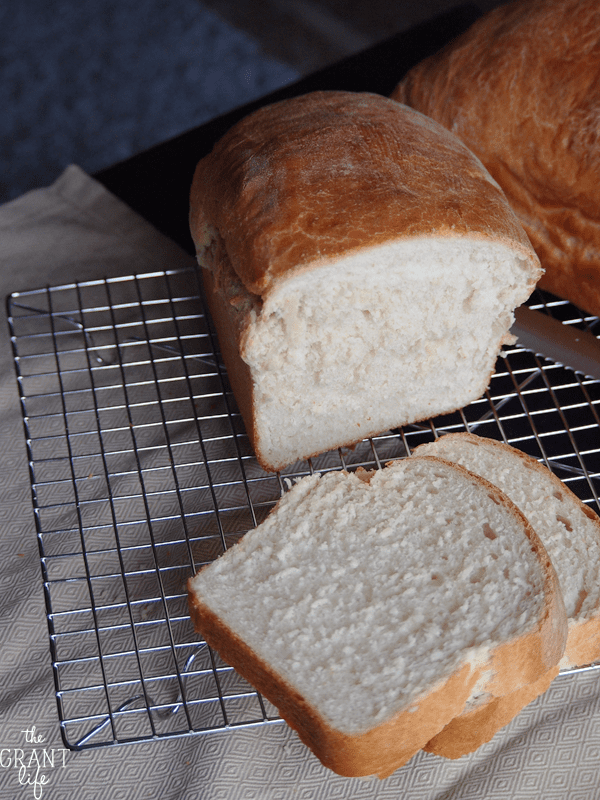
141,472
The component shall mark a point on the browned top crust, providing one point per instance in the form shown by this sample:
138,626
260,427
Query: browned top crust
522,89
326,173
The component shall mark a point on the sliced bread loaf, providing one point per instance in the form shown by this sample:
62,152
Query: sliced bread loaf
361,268
570,532
370,607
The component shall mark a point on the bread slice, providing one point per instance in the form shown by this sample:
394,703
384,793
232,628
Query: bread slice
370,607
570,532
569,529
521,88
360,266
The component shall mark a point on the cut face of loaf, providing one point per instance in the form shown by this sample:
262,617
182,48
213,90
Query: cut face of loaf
361,269
369,608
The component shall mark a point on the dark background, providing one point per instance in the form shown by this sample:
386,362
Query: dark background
310,33
93,82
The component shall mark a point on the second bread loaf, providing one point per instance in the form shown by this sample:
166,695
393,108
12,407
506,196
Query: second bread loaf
521,88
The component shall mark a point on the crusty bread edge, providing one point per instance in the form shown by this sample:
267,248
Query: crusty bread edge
379,751
238,372
215,188
467,732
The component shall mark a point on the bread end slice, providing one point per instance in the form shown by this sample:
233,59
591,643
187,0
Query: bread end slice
570,532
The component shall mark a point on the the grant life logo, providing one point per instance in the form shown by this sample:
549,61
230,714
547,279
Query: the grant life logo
34,765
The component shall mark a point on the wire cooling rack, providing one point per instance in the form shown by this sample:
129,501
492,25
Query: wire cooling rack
141,472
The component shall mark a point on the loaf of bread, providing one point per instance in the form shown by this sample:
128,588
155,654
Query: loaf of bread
570,532
361,268
522,89
369,608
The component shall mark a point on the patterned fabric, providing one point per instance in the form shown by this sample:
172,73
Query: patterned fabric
75,230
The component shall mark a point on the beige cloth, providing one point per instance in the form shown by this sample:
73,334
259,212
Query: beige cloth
75,230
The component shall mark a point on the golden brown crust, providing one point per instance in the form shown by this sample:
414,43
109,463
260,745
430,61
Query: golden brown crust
583,644
522,89
238,372
327,173
473,728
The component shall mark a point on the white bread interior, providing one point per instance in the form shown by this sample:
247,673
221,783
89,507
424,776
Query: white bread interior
369,608
336,356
